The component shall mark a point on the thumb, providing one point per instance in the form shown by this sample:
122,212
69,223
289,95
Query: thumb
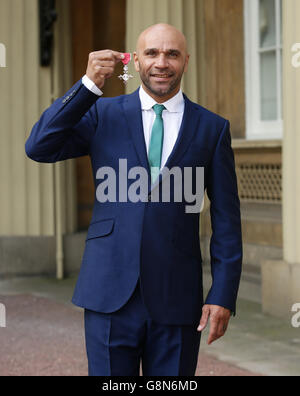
204,319
118,55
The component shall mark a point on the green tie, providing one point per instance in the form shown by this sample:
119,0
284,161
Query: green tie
156,144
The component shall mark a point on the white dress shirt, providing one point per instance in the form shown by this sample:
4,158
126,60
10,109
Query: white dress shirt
172,117
90,85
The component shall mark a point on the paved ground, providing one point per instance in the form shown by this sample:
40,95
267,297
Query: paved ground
44,336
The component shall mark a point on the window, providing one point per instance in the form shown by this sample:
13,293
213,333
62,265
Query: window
263,50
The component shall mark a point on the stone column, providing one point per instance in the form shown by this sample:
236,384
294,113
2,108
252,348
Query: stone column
26,188
281,279
27,199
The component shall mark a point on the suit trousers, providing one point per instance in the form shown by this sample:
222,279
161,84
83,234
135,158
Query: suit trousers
119,343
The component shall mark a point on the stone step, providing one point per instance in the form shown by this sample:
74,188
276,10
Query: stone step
250,286
261,224
253,254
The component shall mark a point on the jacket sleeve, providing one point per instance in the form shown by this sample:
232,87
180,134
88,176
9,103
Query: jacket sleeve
66,128
226,242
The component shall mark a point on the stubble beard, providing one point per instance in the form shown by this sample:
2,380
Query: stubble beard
160,92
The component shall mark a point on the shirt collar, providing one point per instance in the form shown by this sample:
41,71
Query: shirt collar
173,105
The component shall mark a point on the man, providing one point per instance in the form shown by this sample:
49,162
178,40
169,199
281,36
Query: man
141,276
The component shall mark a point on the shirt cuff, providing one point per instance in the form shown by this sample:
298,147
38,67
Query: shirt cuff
91,86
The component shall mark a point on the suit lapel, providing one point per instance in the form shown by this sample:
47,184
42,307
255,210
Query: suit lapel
133,114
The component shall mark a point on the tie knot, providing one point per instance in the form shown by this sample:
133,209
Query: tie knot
158,109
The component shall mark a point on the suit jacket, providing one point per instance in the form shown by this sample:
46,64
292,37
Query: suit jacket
156,242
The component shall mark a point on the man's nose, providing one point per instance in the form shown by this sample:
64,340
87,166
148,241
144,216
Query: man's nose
161,62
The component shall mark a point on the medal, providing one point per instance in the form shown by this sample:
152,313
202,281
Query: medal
126,77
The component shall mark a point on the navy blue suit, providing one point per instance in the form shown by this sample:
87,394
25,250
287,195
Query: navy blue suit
154,243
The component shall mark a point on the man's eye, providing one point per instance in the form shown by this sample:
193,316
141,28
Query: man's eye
173,54
151,53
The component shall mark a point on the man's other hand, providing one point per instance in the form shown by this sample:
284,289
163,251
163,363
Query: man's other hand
101,65
219,318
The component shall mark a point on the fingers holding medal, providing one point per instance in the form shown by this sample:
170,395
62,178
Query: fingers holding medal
101,65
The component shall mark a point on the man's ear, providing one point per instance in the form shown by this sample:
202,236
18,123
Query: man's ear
186,63
136,62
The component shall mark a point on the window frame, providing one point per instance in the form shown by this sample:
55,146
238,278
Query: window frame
256,128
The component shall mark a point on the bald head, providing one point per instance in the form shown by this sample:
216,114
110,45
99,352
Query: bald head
159,31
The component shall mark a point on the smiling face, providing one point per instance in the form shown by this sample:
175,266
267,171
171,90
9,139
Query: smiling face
161,59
